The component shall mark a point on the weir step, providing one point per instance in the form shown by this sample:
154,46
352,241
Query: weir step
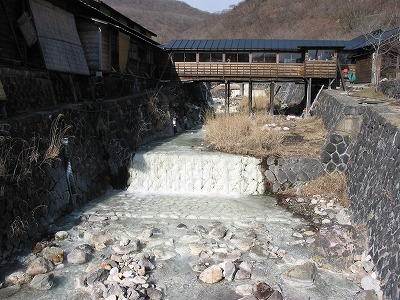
194,173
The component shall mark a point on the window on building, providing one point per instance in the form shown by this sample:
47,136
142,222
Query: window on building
236,57
290,58
260,57
184,57
210,57
321,54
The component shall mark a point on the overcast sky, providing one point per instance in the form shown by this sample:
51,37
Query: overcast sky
211,5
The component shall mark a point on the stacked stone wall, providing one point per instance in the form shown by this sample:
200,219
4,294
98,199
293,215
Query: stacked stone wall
343,117
373,171
30,89
53,161
283,173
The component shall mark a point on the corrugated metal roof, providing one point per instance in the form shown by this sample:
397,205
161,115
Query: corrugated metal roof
248,45
369,39
277,45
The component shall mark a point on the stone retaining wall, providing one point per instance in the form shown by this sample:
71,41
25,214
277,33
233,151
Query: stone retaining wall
54,161
283,173
373,170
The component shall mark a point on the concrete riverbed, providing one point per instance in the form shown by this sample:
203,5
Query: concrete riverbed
144,245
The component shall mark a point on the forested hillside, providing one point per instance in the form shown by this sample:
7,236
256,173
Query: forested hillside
264,19
169,19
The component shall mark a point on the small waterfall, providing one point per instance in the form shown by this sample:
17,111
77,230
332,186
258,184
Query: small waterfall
187,170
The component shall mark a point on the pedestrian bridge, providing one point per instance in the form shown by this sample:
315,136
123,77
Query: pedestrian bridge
256,61
253,60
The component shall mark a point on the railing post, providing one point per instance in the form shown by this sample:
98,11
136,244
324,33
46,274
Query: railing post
229,95
250,98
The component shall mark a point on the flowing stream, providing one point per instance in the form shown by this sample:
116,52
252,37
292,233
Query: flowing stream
179,193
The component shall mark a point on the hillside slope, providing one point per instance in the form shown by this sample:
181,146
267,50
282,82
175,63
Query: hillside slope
169,19
305,19
263,19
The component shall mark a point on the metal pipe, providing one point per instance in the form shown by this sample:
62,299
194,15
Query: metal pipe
100,40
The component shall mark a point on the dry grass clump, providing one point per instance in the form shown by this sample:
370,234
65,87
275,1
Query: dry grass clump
370,92
332,185
259,103
241,134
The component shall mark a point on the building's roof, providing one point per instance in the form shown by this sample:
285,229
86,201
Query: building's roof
277,45
369,39
95,9
247,45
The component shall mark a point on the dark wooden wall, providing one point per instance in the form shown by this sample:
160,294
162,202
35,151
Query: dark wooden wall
364,69
89,35
13,47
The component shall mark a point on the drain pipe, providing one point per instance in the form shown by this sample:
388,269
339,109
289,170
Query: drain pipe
70,176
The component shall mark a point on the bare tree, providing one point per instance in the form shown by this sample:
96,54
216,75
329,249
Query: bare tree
385,47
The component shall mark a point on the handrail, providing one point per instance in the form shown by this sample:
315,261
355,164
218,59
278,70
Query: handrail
311,69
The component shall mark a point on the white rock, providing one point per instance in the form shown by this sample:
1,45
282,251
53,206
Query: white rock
244,289
310,240
61,235
369,283
77,257
308,233
298,235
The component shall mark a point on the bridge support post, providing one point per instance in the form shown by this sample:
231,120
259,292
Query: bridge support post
227,96
226,99
271,98
308,104
250,98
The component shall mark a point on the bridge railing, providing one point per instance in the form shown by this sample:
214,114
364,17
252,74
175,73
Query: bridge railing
309,69
320,68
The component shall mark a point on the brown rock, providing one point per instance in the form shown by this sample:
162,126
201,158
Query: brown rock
154,294
276,295
18,278
211,275
40,266
54,254
262,291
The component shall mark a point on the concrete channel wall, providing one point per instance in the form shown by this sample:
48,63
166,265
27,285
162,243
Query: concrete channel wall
373,170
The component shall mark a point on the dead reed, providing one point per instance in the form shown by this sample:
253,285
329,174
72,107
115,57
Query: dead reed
333,185
262,135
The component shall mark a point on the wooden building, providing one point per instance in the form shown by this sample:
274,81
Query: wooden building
71,50
375,55
75,37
